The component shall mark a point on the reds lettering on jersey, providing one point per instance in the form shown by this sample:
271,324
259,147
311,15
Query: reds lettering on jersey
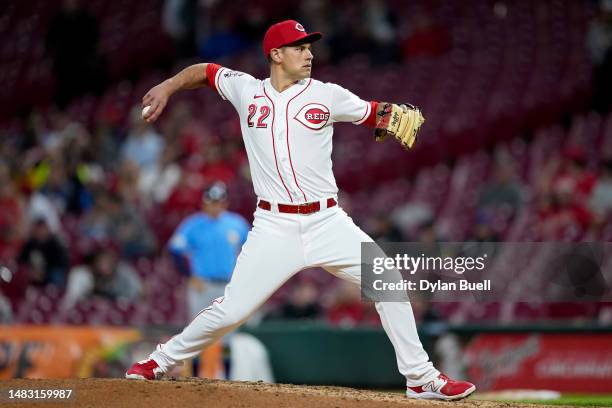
288,135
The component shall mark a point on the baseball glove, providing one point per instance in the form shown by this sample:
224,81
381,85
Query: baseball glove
400,121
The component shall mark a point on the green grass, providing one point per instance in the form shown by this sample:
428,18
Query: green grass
578,400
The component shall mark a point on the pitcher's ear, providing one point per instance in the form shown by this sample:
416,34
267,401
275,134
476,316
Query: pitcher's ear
275,55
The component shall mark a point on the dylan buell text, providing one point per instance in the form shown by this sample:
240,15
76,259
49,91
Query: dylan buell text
424,285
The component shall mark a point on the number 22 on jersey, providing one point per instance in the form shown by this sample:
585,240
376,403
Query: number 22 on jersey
264,112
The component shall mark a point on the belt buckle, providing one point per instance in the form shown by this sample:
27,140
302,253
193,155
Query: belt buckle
300,206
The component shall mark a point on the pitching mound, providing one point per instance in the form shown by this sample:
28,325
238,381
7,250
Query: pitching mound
191,392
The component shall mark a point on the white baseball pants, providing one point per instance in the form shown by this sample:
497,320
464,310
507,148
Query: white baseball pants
279,246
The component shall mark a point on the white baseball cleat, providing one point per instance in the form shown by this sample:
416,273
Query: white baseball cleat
442,388
144,370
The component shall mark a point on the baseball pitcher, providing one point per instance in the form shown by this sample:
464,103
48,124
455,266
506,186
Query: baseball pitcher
287,126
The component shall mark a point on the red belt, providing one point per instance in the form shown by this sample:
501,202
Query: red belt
306,208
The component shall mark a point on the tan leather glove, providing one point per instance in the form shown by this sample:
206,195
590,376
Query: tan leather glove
400,121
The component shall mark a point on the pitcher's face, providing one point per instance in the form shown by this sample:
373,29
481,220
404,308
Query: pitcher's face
296,60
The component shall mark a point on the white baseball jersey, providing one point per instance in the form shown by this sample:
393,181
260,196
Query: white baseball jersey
288,135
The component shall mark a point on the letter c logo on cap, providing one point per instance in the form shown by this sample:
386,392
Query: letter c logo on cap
299,27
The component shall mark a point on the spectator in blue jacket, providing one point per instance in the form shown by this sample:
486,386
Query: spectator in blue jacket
205,247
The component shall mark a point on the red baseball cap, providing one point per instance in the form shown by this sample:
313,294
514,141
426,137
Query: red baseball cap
285,33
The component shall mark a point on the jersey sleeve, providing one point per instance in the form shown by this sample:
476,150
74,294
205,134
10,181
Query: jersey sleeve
228,83
348,107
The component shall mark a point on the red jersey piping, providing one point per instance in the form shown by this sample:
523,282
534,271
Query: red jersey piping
274,144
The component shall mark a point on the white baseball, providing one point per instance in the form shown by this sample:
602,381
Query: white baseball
145,110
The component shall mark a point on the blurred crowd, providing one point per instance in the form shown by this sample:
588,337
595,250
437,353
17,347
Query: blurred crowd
213,30
81,202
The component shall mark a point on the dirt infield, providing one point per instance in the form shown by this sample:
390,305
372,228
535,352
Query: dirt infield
190,392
